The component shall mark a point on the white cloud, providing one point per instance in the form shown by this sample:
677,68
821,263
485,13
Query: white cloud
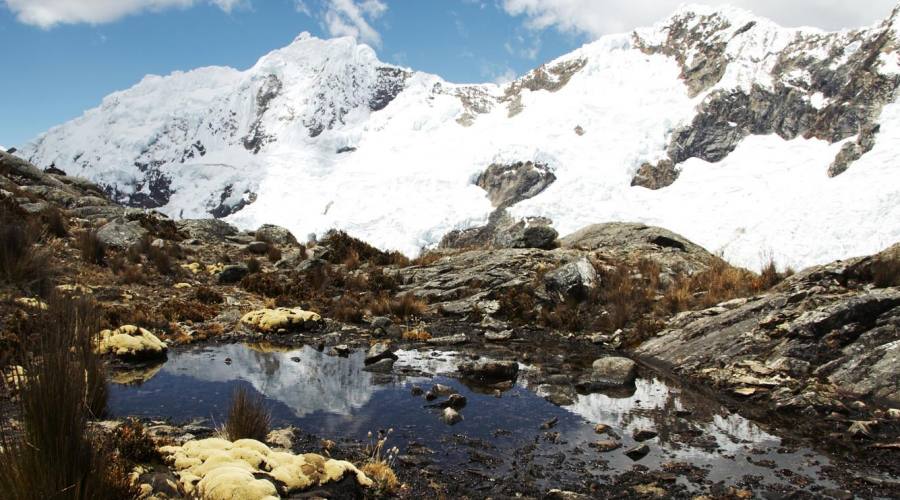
49,13
505,77
353,18
594,18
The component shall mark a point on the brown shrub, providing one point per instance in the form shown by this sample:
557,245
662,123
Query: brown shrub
347,309
253,265
134,444
207,295
21,263
426,259
408,306
162,260
180,310
273,253
351,261
342,245
55,222
92,249
248,417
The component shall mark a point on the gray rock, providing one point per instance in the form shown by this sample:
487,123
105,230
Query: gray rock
575,280
385,365
510,184
207,230
34,208
457,339
621,239
120,233
613,371
492,370
379,351
381,322
498,336
824,323
451,416
233,273
560,395
258,247
275,234
341,349
656,176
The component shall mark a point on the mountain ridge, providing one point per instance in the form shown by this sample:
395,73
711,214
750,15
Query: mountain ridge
322,134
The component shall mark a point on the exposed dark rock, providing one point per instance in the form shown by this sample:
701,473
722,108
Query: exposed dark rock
379,352
390,82
507,185
385,365
637,452
256,138
233,273
502,231
853,151
656,176
549,78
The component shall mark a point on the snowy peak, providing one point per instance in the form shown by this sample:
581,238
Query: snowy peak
698,124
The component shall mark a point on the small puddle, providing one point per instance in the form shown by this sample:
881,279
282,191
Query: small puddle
332,397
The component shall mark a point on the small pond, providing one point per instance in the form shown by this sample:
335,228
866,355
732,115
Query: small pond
333,397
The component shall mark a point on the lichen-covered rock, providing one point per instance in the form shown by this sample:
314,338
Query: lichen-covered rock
489,370
282,319
121,233
216,468
131,342
206,230
275,234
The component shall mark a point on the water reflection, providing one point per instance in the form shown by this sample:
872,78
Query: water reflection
304,380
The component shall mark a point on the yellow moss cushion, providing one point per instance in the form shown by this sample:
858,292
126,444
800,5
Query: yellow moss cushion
130,341
219,469
283,318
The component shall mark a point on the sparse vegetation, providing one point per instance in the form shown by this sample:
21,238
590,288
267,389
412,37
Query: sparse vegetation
55,222
248,417
133,442
21,264
379,466
92,249
53,456
253,265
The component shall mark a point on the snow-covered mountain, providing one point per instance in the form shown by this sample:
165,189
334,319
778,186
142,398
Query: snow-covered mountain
746,137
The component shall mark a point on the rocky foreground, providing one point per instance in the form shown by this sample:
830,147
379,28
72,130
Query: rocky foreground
817,351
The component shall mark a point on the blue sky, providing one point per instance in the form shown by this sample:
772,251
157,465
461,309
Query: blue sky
60,57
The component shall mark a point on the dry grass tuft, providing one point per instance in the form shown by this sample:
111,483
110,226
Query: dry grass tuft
92,249
52,456
248,417
22,264
133,442
379,467
55,222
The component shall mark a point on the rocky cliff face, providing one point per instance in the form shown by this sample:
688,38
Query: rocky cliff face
826,86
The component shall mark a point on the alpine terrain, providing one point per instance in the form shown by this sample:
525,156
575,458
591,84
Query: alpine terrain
751,139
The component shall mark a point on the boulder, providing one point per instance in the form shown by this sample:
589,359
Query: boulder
130,342
275,234
378,352
206,230
258,247
637,452
282,319
575,280
233,273
120,233
451,416
613,371
489,370
385,365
